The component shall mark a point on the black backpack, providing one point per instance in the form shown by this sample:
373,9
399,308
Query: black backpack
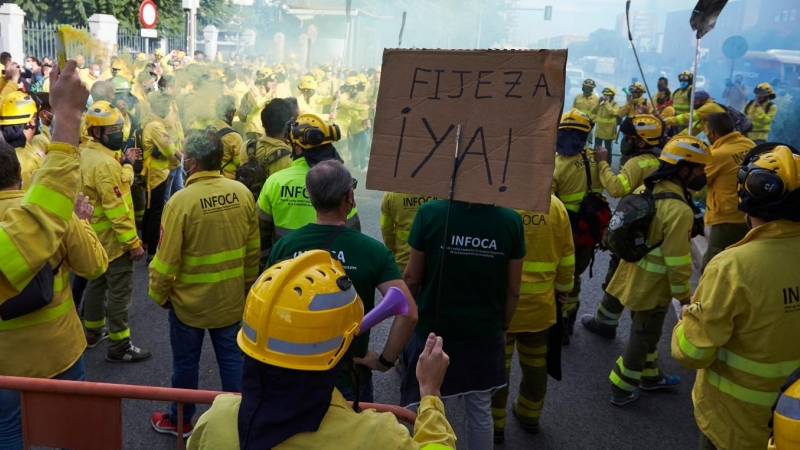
626,236
590,222
741,122
254,173
222,132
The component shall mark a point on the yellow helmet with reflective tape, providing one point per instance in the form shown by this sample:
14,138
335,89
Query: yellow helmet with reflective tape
636,87
686,76
686,148
351,81
18,109
768,172
609,91
786,420
102,114
319,74
764,89
648,128
301,314
159,52
311,131
589,83
141,57
307,82
576,120
362,78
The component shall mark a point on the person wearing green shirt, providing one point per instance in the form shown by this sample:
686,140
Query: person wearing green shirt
471,306
368,263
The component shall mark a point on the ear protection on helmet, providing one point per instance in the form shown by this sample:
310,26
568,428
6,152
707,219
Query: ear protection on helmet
759,182
308,136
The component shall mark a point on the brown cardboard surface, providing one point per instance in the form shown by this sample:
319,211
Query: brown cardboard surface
508,103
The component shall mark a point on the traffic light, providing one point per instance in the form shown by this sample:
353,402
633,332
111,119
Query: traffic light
548,12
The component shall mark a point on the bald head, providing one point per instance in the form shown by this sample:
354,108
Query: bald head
103,90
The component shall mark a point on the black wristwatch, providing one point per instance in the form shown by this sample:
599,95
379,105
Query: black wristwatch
382,361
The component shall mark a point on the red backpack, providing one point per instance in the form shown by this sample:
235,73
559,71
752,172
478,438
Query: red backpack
590,222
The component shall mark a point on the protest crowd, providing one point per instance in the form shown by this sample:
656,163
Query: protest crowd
232,179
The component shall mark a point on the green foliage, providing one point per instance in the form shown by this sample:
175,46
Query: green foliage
77,12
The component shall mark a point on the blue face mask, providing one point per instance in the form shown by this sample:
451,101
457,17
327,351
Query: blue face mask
684,84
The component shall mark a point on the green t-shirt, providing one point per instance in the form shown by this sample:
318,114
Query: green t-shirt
366,261
481,239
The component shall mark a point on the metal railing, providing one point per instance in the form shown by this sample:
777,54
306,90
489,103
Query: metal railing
39,39
87,415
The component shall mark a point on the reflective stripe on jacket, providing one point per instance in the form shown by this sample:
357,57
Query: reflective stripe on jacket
48,341
108,187
630,177
548,267
665,272
569,179
742,331
209,251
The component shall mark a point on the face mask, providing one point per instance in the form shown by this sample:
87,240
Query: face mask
28,65
697,183
684,84
587,91
661,100
96,73
113,141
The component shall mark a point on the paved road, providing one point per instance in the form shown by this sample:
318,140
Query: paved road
577,411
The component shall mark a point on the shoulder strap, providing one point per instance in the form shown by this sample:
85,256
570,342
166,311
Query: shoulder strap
665,195
276,155
250,147
588,171
329,240
768,107
225,131
748,105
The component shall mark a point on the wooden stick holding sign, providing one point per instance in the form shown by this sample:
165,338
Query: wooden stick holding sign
450,195
509,103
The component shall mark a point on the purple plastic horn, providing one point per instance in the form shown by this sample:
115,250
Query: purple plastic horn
394,303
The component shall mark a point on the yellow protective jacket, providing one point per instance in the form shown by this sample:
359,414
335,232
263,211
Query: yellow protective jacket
722,198
341,428
664,272
348,111
29,160
48,341
629,108
700,116
762,119
681,99
42,218
143,106
742,331
231,146
569,179
605,117
397,215
630,177
208,255
548,268
314,105
273,153
108,185
157,148
257,98
667,111
41,140
585,104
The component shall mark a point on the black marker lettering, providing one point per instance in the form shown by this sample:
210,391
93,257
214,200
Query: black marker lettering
481,73
485,155
461,74
514,83
439,73
542,83
405,111
415,81
503,188
437,143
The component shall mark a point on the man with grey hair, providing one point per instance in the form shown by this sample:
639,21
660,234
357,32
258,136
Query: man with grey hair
103,91
207,259
368,263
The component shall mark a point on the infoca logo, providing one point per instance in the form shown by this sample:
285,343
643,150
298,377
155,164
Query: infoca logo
468,241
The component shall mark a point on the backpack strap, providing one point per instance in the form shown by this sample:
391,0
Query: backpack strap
224,132
276,155
329,240
250,148
588,171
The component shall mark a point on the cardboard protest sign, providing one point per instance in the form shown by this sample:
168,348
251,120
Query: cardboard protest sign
508,103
